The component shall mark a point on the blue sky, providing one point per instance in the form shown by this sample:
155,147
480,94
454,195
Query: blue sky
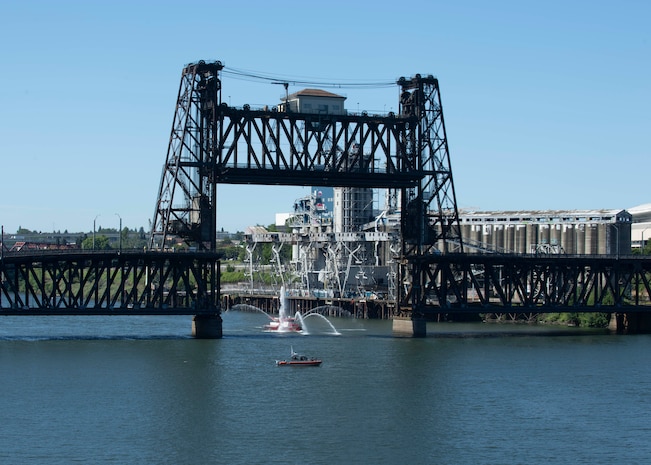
546,104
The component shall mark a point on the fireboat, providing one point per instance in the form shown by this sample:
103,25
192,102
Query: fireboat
284,325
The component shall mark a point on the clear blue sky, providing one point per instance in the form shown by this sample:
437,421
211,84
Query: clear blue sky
547,104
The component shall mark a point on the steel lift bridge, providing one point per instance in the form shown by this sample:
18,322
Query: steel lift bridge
407,153
212,143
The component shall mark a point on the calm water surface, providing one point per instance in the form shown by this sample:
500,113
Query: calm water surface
126,390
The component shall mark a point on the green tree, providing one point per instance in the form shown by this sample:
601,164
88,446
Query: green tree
101,243
645,251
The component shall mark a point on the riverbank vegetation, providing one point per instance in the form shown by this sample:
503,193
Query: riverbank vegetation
583,320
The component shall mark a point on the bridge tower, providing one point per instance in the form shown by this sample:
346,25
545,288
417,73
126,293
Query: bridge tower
430,213
186,204
430,217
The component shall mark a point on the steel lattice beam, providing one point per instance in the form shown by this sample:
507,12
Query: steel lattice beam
524,284
270,147
109,283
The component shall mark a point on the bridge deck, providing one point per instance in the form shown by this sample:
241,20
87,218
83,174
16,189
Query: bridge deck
163,283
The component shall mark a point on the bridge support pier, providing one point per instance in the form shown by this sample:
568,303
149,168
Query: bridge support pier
413,327
207,326
630,323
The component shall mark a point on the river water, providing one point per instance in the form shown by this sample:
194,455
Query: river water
127,390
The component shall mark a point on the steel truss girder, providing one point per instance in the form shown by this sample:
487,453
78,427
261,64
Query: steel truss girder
526,284
109,283
270,147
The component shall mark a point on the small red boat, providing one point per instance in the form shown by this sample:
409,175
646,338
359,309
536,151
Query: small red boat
299,360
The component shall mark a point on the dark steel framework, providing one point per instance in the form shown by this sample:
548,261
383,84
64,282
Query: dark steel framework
431,217
495,283
187,174
109,283
212,143
153,283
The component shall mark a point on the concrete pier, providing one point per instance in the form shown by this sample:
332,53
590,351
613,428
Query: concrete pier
207,326
408,327
630,323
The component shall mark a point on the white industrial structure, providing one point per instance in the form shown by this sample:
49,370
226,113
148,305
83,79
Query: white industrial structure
641,229
549,231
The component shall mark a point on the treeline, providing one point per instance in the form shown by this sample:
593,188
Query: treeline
102,239
107,239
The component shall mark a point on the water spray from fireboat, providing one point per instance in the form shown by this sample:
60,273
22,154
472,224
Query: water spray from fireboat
284,323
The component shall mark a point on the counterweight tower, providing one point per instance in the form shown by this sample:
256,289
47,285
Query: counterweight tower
186,204
430,213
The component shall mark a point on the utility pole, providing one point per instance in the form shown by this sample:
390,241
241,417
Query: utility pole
94,221
286,86
120,232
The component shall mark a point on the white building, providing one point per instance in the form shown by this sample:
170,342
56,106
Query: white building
641,228
314,101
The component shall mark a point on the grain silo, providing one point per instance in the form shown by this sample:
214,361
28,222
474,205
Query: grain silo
572,232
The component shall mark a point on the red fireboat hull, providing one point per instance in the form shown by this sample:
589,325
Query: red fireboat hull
285,324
